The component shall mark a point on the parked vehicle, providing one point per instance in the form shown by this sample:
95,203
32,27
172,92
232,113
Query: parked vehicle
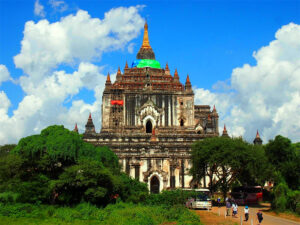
247,195
201,200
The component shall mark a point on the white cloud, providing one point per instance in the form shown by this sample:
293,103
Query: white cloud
58,5
39,9
130,48
4,74
76,41
75,38
264,96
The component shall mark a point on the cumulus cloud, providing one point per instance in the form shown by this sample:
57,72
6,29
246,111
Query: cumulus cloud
77,42
4,74
75,38
39,9
265,96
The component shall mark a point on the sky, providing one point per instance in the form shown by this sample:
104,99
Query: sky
241,56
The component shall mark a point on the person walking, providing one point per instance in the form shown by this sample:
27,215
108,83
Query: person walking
234,209
246,211
228,207
219,202
259,217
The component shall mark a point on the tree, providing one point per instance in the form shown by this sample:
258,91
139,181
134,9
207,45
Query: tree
57,166
5,149
224,160
285,158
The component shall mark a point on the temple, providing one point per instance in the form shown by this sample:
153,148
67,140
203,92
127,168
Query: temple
149,120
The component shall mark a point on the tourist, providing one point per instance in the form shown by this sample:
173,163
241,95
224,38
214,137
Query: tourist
219,202
246,211
228,207
234,209
259,216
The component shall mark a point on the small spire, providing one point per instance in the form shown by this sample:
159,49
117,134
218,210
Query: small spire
257,140
126,65
146,43
187,79
76,128
119,71
214,109
225,133
108,78
89,127
176,75
167,67
257,134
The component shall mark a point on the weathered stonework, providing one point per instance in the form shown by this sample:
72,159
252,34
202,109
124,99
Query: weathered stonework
150,121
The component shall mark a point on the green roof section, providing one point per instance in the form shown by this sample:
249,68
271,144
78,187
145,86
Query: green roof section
148,63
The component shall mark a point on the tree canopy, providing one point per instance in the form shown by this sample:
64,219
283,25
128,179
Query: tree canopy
57,166
227,161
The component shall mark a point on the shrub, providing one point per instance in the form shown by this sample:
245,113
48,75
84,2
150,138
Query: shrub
280,197
8,197
170,198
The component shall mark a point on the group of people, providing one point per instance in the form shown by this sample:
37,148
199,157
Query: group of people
231,205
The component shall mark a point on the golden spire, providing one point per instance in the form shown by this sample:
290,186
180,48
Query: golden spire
146,43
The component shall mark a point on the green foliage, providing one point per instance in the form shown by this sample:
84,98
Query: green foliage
285,198
285,158
84,213
230,160
8,197
280,194
170,198
133,190
57,166
88,180
5,149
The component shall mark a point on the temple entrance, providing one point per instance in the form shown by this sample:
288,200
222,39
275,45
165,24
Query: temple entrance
154,185
181,123
149,127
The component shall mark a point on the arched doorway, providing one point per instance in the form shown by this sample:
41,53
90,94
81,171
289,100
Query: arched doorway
149,127
154,185
181,123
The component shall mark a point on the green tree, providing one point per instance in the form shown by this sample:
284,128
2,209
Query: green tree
257,169
5,149
227,160
88,180
57,166
285,158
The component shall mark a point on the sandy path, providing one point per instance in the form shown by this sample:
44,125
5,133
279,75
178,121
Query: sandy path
268,219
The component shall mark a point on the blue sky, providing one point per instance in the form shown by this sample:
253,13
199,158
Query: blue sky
206,39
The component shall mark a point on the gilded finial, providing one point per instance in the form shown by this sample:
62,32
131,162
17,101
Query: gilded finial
146,43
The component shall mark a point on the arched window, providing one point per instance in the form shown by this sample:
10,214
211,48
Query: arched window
149,127
181,123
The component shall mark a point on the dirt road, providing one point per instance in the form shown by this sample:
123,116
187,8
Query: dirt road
217,216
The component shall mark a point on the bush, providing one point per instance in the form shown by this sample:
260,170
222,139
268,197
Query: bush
170,198
8,197
293,201
117,214
280,197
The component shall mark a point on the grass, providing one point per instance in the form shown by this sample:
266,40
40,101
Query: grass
118,214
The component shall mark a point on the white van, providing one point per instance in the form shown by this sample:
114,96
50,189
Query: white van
202,199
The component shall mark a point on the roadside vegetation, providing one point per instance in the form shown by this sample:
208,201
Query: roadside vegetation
58,178
235,162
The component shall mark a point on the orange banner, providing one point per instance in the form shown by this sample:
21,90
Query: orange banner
116,102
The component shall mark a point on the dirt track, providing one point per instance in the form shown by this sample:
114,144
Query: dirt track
212,217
